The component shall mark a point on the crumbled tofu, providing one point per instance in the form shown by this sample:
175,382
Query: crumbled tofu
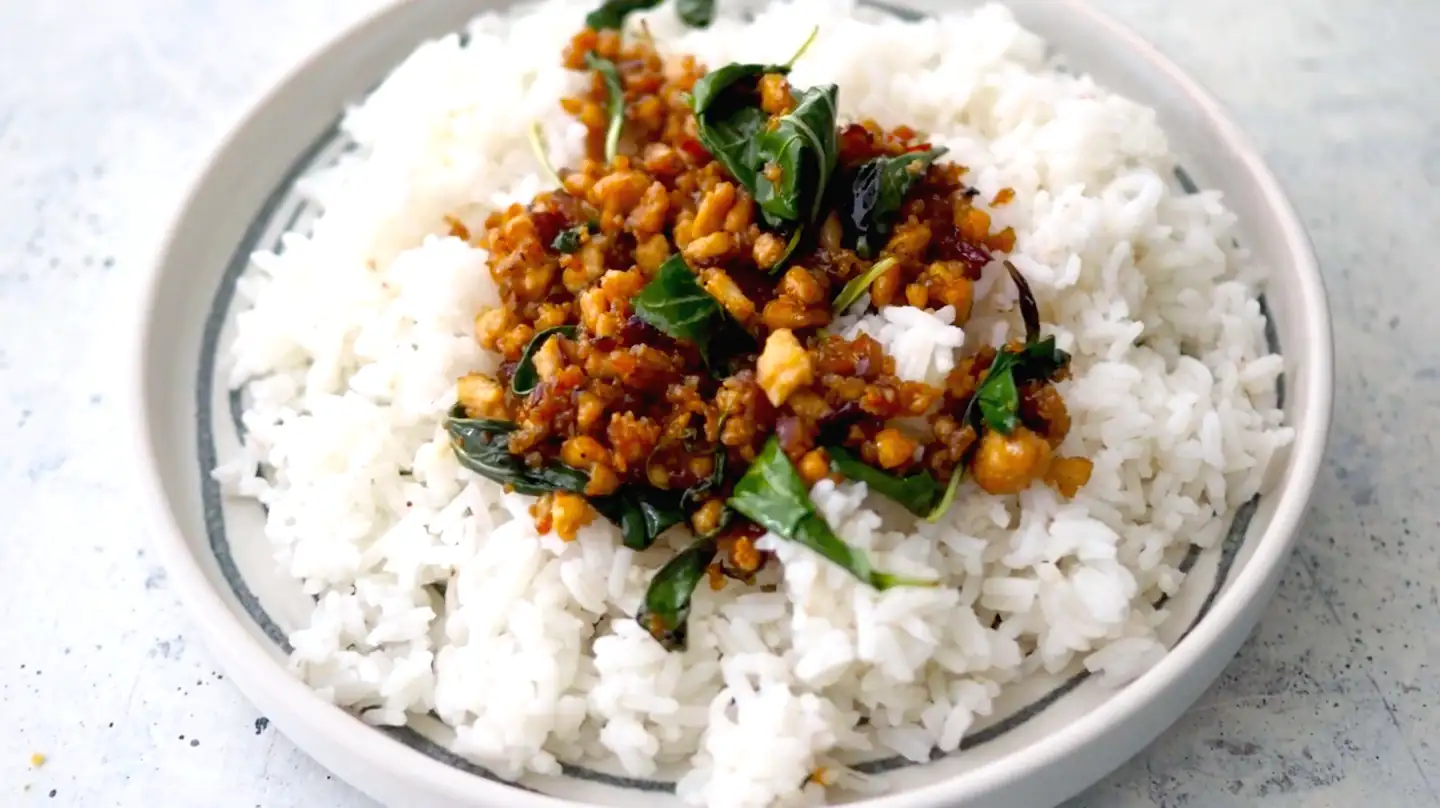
784,366
481,396
548,360
724,289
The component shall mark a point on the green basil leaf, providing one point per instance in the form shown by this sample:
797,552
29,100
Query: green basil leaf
666,607
730,87
642,514
696,13
615,101
773,495
998,398
526,377
730,139
612,13
804,145
1039,361
917,492
877,191
860,284
674,303
481,446
1029,309
568,240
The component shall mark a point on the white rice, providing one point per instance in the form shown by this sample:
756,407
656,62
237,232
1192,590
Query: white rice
351,337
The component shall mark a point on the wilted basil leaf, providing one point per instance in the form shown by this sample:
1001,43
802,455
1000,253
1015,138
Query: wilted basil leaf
998,399
614,104
612,13
675,304
804,147
666,607
568,240
773,495
526,377
696,13
917,492
877,191
801,147
480,444
728,117
641,513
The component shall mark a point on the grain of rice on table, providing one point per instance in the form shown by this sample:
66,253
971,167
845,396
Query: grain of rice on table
436,593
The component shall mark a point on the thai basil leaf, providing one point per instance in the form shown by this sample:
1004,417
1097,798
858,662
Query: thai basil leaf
998,398
804,146
696,13
1029,309
917,492
612,13
568,240
734,85
526,377
666,607
860,284
641,513
1039,361
729,87
728,131
481,446
615,101
675,304
773,495
877,191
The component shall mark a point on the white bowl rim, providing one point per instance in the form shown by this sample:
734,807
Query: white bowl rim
242,654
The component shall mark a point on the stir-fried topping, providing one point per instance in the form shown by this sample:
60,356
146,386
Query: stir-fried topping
663,326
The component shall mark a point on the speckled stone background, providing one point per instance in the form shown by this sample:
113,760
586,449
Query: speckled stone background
106,110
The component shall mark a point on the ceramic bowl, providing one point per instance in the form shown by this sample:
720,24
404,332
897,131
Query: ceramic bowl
1048,740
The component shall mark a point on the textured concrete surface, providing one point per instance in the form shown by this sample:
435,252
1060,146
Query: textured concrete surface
107,108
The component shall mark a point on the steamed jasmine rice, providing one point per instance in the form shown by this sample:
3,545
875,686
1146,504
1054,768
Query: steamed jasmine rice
437,593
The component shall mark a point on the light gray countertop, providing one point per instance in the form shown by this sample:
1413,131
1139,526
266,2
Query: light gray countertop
106,109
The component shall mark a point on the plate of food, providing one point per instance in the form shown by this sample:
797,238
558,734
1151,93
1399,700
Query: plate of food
731,404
